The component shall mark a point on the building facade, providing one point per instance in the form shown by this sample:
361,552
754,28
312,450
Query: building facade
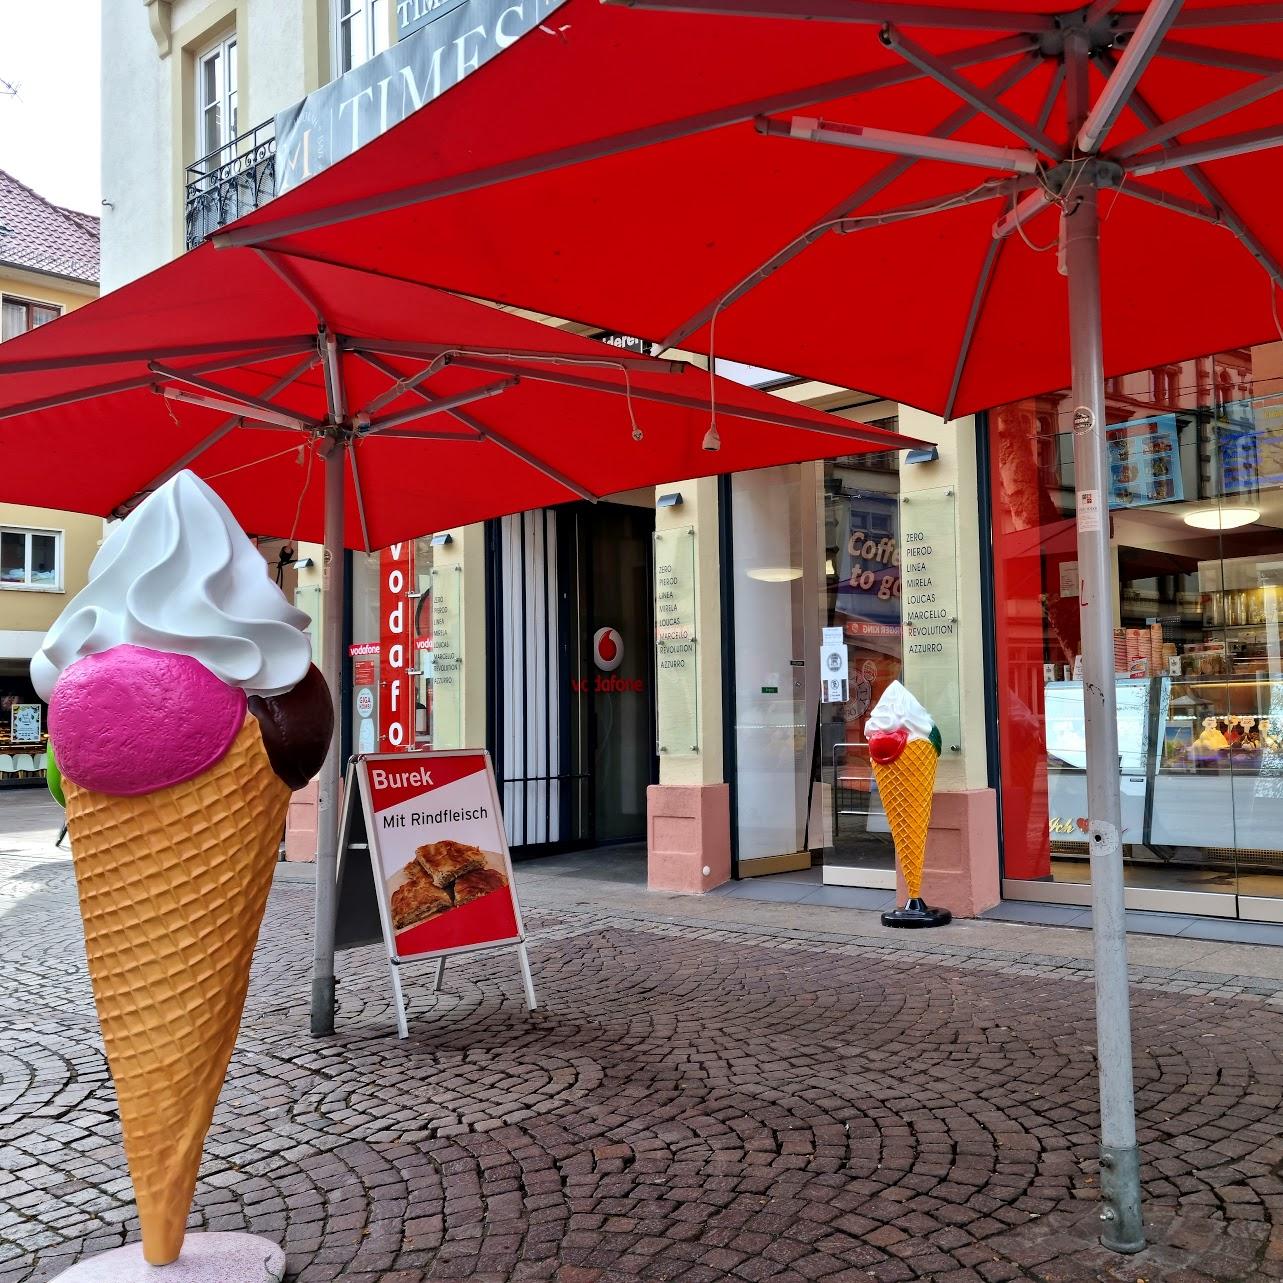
684,672
48,266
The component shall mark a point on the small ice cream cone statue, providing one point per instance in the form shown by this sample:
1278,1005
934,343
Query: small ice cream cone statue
183,708
904,745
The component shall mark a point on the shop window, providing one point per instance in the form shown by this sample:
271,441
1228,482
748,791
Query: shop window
1196,592
361,30
21,315
30,559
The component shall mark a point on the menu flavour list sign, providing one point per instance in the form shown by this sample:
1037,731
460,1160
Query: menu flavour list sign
929,570
439,853
677,673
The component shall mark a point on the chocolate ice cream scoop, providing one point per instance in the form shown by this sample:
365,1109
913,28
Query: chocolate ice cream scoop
296,727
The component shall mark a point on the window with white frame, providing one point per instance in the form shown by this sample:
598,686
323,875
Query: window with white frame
361,29
216,100
18,315
30,558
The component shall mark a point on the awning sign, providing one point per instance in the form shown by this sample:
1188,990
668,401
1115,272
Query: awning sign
447,42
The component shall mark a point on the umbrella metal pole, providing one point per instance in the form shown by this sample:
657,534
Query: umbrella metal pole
327,827
1119,1157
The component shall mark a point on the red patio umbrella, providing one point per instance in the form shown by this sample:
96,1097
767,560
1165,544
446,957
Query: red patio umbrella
940,165
427,411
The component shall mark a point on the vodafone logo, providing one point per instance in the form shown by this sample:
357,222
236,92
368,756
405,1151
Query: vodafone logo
607,649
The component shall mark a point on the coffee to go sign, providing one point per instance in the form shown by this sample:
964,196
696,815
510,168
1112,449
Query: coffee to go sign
396,697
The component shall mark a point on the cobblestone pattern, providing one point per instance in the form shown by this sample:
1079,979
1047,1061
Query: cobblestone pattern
690,1103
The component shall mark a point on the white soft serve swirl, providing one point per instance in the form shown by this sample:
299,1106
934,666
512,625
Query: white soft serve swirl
179,575
898,710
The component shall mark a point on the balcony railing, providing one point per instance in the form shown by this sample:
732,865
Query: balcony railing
232,180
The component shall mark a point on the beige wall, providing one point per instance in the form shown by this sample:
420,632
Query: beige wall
284,51
34,609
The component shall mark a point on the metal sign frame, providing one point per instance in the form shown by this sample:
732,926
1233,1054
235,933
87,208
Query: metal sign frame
358,774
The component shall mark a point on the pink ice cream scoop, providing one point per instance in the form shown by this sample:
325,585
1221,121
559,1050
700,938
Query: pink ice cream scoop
131,720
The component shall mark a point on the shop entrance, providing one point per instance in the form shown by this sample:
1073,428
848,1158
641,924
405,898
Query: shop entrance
571,711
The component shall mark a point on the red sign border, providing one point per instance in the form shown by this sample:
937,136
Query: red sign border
403,761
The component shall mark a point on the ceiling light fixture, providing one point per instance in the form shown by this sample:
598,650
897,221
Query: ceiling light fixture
775,574
1221,518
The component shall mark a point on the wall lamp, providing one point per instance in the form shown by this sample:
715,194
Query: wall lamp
440,541
924,454
671,500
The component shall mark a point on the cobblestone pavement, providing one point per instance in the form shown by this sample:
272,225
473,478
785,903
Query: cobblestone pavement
694,1101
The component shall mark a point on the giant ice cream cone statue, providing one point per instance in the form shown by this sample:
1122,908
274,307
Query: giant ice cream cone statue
904,745
183,708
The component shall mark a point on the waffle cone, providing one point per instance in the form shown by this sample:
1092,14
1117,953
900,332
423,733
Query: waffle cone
172,890
906,787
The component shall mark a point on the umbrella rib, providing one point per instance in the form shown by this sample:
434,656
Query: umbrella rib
400,386
533,461
262,418
406,348
261,351
861,196
1139,190
885,78
285,271
983,100
360,497
416,434
583,382
1140,50
335,387
973,318
989,190
215,436
235,394
913,15
1229,16
1211,193
812,129
1227,59
1185,155
438,404
108,389
1170,129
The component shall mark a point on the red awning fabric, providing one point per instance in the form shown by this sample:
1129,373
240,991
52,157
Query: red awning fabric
493,189
216,361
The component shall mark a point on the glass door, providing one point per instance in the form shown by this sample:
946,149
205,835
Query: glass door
773,746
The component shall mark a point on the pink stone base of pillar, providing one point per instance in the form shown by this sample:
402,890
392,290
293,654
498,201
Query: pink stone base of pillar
300,823
961,872
688,837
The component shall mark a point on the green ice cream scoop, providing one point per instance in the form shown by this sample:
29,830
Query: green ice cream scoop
53,776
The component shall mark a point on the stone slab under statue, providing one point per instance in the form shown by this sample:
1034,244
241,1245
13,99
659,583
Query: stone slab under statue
183,709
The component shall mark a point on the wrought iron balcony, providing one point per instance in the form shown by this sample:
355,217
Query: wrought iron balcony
230,181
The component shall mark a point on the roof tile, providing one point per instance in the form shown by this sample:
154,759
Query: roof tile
39,236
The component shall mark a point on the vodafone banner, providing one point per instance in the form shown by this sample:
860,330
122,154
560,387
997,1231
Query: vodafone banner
396,697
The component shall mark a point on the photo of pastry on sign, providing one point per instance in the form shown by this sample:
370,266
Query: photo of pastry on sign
442,852
441,877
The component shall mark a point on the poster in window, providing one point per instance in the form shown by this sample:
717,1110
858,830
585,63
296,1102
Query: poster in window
869,568
24,723
1251,445
1145,463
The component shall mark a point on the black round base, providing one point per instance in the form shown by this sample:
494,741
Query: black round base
916,914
